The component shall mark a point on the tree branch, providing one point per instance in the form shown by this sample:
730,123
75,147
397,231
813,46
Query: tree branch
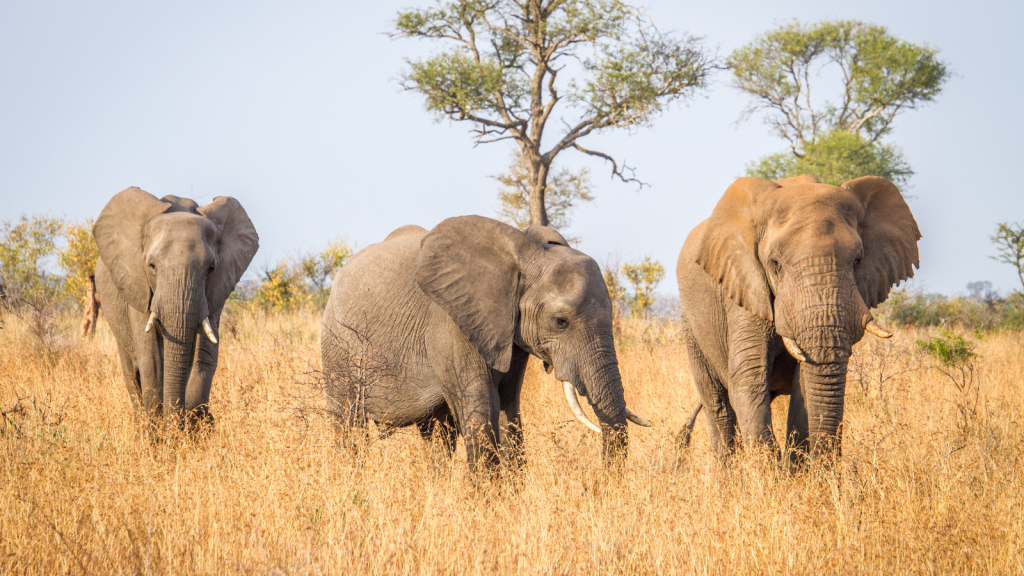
616,171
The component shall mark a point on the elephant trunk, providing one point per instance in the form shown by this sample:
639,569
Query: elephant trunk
824,321
180,304
604,392
817,417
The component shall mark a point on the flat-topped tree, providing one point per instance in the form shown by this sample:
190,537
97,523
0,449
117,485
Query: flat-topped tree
880,76
505,71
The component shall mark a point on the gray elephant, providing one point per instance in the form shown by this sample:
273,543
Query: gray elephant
165,269
429,328
776,287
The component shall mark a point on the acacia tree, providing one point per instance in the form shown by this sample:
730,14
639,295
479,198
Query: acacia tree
882,76
1009,241
565,190
506,61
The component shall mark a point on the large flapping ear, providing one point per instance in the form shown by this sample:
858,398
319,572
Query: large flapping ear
728,251
469,266
546,235
238,243
889,234
118,234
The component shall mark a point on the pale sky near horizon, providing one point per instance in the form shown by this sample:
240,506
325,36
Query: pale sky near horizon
293,108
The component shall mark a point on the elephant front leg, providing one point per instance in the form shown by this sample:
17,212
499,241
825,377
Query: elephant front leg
720,415
477,410
150,364
200,381
510,426
749,352
439,431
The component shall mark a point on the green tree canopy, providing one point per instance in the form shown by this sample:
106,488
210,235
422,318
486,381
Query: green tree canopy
506,64
565,190
880,75
837,157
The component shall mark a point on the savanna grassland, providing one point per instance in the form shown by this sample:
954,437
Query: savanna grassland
930,479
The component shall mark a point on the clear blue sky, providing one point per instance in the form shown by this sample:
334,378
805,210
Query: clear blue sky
293,108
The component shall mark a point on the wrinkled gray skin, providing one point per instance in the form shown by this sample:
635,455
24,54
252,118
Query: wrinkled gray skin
797,259
180,260
438,327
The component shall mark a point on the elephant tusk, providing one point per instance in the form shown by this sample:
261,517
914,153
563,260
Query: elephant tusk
794,349
574,405
209,330
152,320
636,419
877,330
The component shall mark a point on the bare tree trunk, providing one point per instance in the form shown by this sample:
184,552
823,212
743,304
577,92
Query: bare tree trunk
538,189
92,308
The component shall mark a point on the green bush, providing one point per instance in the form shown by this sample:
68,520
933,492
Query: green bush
916,308
304,281
45,261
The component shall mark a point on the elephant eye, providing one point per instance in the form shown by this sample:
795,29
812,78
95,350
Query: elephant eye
561,323
857,261
775,265
210,271
152,267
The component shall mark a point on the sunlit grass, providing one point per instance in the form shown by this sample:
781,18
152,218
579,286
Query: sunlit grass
84,491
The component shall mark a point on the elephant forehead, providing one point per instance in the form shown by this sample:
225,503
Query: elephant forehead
178,232
811,202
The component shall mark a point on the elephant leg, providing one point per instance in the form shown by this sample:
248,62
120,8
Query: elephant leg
713,395
510,426
797,430
438,430
197,392
150,365
476,409
748,378
131,381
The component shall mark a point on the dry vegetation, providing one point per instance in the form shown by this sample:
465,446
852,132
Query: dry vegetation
83,491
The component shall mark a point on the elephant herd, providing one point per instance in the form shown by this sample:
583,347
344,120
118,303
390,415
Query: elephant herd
434,328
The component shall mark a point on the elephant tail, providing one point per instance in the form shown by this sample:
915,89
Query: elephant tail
683,439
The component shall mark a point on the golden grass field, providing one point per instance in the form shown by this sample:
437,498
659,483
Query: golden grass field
84,491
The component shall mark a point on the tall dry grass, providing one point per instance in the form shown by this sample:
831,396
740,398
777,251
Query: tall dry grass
84,491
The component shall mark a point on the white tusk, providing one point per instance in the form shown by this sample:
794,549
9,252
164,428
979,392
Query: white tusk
794,350
877,330
152,320
209,330
574,405
636,419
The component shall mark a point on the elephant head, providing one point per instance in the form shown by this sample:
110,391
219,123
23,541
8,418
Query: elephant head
176,262
812,260
503,288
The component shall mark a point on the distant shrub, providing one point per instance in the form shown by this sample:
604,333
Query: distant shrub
306,280
984,310
644,276
46,261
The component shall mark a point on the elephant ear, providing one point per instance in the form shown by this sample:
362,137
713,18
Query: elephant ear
889,234
728,251
237,245
118,234
469,266
546,235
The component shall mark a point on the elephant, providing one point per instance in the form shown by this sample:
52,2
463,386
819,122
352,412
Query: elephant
775,289
165,269
435,329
